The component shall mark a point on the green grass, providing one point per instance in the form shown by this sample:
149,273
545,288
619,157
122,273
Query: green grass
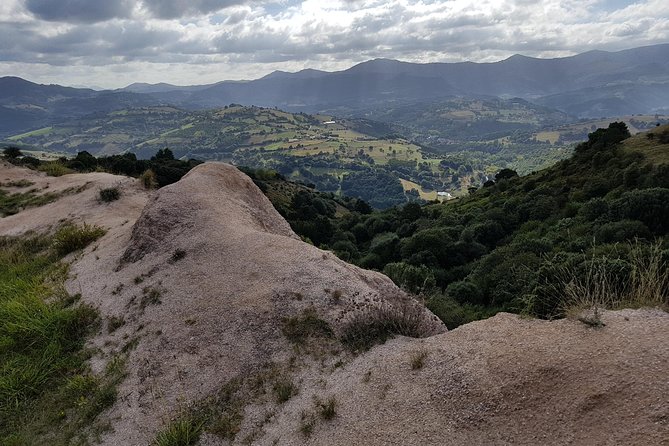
11,204
308,325
47,393
70,238
182,432
54,168
650,147
38,132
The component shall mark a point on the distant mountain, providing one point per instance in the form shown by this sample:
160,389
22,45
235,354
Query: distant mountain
26,105
589,84
592,84
140,87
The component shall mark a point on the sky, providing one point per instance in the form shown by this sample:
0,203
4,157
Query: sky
113,43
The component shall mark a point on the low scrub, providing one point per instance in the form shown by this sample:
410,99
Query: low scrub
109,194
11,204
54,168
639,280
378,324
70,238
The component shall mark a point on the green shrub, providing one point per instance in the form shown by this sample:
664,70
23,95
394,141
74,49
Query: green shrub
109,194
70,238
414,279
54,168
182,432
465,292
454,314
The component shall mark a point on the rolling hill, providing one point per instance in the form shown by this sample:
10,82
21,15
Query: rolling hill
592,84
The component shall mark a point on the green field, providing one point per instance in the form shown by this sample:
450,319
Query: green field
38,132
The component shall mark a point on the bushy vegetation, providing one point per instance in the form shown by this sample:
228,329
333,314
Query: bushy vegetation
375,325
162,169
502,247
181,432
70,238
12,203
47,393
109,194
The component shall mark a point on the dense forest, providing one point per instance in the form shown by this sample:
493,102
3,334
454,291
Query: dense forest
517,243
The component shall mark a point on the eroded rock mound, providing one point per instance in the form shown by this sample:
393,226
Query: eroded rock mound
205,285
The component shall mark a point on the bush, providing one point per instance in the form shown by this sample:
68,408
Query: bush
109,194
70,238
414,279
453,314
624,230
11,152
149,179
651,206
465,292
54,168
376,325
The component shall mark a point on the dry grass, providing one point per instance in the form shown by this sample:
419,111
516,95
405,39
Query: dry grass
376,325
599,289
417,359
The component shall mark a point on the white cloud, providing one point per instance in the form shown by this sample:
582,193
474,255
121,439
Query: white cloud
201,41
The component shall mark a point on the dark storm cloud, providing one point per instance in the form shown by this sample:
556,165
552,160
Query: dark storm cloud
79,11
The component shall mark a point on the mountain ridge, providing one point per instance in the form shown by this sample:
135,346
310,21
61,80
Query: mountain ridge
592,84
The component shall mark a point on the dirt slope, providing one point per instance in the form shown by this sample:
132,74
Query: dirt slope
203,284
503,381
203,272
77,201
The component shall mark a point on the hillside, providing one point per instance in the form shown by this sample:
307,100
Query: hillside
219,326
590,85
516,243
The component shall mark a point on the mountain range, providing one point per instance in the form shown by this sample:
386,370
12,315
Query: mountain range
591,84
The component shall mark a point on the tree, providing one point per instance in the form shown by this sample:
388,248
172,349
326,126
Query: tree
506,174
163,155
12,152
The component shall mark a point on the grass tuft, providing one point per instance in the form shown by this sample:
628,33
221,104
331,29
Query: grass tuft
585,296
284,389
70,238
327,409
378,324
182,432
109,194
418,359
308,325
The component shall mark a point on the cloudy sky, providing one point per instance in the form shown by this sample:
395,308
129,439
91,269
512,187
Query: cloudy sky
111,43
